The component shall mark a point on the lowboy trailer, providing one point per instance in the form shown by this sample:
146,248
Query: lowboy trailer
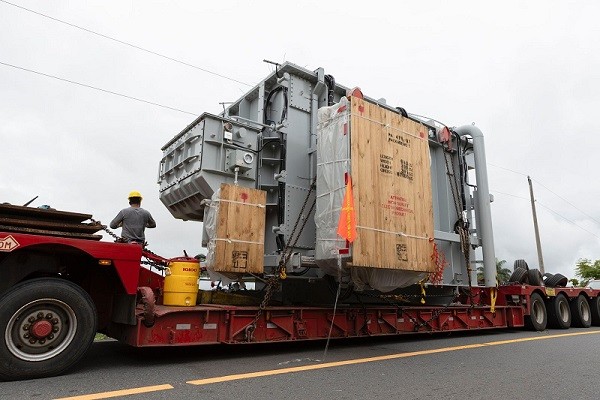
351,217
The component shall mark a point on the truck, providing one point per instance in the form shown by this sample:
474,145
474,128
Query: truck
326,214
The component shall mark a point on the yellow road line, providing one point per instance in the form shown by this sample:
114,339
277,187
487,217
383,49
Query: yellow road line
117,393
290,370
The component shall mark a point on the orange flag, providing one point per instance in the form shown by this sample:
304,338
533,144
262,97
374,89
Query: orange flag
347,223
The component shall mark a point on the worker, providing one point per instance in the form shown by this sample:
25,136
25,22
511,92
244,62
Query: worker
133,220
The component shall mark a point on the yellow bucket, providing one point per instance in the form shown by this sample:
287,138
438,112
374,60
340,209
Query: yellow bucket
181,282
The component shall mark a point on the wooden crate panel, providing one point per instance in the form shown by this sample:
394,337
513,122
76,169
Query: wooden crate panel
239,245
391,176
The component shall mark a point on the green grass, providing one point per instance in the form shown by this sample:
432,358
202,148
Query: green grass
100,337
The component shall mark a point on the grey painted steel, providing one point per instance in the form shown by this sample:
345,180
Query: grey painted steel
206,153
484,224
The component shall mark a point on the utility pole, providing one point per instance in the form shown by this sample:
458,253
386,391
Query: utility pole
535,227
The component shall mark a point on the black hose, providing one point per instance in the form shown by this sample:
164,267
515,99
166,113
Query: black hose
330,82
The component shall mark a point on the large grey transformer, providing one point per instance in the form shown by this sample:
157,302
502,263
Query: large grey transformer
267,140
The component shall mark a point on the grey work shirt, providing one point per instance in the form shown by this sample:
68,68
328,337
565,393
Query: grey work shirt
133,220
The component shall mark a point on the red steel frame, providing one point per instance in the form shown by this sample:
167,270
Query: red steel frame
213,324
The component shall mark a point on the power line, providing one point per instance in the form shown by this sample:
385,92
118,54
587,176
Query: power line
547,188
97,88
126,43
566,201
549,209
568,220
511,195
493,165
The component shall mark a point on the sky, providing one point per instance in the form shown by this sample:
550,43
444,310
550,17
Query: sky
526,73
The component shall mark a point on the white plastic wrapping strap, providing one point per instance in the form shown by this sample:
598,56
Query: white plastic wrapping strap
337,115
235,241
392,232
329,193
333,162
242,203
387,126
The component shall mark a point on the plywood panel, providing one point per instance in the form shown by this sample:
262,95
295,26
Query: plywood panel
239,246
392,189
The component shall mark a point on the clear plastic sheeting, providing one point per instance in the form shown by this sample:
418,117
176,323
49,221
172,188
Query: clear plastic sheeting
333,163
211,213
384,280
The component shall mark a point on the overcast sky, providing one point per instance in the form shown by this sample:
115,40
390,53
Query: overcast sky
527,73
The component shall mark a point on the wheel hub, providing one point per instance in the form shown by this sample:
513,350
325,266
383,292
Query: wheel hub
41,329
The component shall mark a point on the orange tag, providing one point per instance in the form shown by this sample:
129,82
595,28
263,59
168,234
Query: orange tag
347,224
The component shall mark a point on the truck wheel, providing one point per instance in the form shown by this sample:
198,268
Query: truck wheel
47,324
581,313
535,277
519,275
521,264
595,310
538,318
559,312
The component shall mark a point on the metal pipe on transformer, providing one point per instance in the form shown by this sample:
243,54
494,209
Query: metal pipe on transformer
484,225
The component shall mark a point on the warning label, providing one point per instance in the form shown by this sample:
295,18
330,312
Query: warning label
398,205
8,243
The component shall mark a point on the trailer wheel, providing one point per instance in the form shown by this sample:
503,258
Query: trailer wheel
581,313
538,317
521,264
595,310
535,277
47,324
559,312
557,280
519,275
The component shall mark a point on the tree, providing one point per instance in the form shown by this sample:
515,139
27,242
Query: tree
502,274
587,270
575,282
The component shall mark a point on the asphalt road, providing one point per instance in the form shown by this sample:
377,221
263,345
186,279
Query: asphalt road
496,364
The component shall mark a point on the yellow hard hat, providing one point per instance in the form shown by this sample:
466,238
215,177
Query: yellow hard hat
135,193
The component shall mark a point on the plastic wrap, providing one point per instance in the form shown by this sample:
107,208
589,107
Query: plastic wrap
211,213
333,163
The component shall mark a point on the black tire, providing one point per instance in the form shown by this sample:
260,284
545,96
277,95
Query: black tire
595,309
47,325
559,312
546,276
519,275
581,313
557,280
520,264
538,317
535,277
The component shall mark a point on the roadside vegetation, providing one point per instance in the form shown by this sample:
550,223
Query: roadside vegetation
586,271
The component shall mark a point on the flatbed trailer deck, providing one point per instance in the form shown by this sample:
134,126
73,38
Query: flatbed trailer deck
114,293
